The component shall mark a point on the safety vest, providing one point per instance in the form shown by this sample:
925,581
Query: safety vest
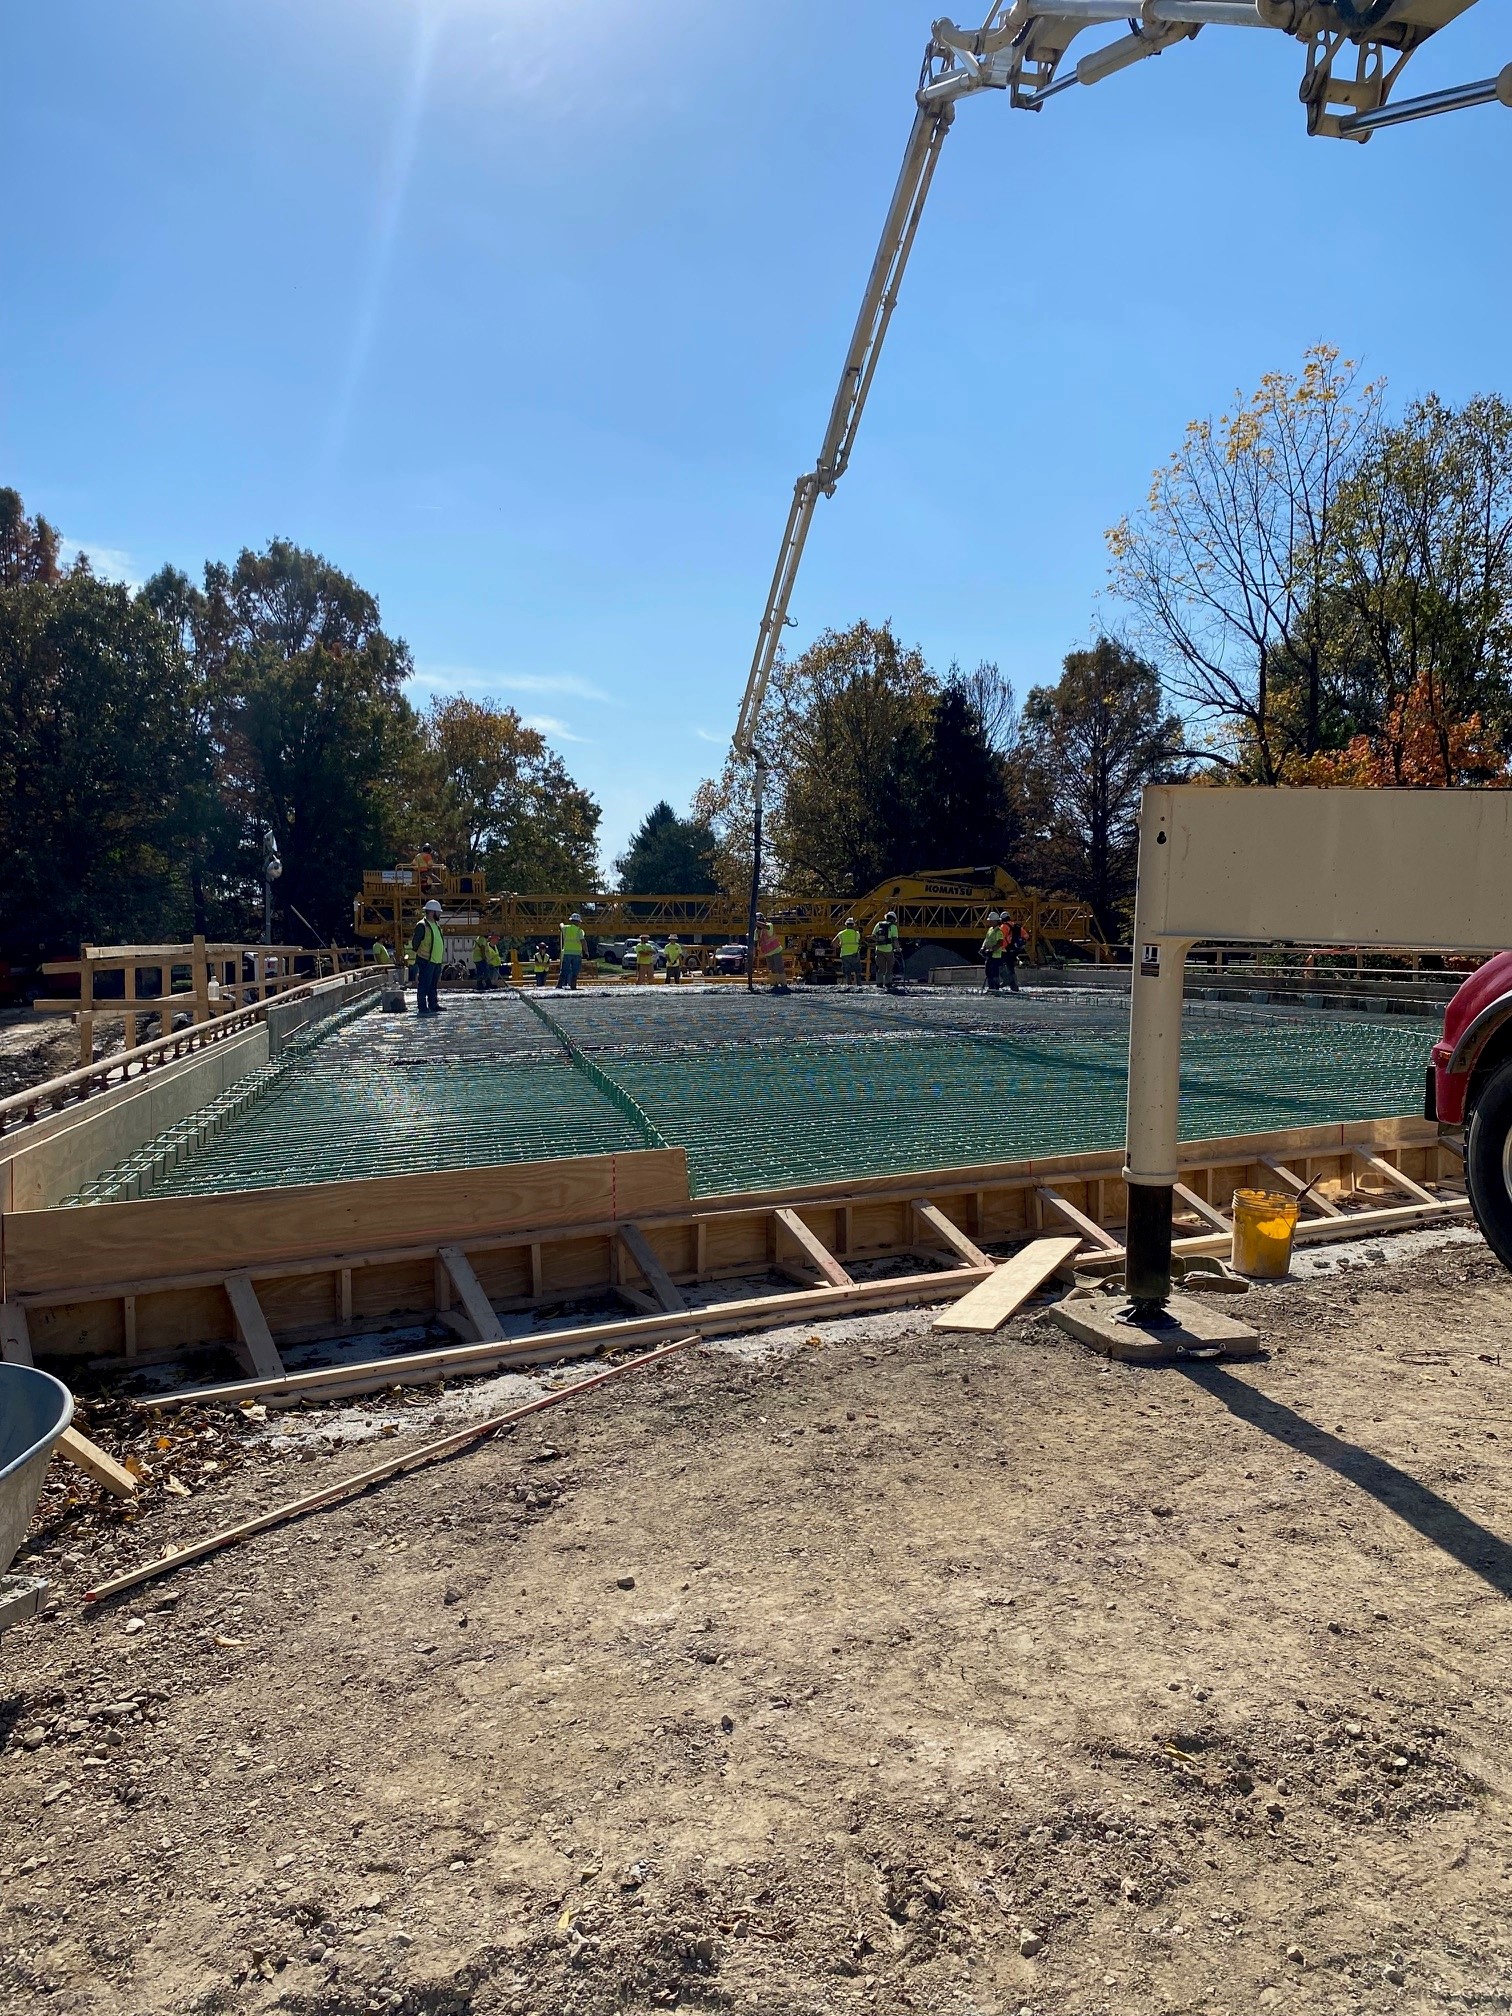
886,936
480,951
645,954
673,955
572,938
493,954
540,963
382,956
992,944
432,944
850,942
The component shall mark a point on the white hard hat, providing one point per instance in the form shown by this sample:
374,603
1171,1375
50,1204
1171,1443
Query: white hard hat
433,908
576,917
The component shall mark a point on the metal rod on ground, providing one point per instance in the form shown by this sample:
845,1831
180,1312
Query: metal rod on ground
409,1460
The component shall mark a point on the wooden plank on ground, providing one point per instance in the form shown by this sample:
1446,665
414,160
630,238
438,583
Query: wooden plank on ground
951,1233
15,1337
1294,1182
470,1291
660,1282
1209,1213
815,1249
92,1460
1094,1234
252,1325
989,1306
718,1319
1378,1166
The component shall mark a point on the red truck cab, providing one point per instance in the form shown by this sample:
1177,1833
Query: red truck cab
1470,1086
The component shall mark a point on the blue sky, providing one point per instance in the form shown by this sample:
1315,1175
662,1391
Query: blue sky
528,312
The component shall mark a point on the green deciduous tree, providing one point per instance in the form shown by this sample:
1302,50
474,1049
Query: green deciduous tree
1091,744
669,854
493,795
100,775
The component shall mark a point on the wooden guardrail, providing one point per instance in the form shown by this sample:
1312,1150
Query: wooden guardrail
22,1109
220,977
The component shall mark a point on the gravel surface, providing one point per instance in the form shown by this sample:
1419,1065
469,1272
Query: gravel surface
856,1668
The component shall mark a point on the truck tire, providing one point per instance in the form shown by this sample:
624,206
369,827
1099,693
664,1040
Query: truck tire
1488,1162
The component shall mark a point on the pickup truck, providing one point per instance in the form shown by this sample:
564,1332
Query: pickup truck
1470,1086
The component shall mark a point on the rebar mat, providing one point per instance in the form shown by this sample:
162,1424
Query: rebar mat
763,1091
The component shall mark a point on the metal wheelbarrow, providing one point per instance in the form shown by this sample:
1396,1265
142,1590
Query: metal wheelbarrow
35,1409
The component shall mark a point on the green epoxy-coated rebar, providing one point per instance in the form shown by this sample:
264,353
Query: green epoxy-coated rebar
761,1091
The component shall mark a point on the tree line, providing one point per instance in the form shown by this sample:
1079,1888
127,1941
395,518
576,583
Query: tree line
155,741
1313,593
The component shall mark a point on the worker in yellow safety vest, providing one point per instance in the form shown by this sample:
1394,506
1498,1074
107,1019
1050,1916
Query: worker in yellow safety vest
848,945
428,948
992,951
382,955
495,957
540,965
645,961
482,976
574,945
885,948
672,952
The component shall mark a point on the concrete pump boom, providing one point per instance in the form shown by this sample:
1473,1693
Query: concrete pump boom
1356,50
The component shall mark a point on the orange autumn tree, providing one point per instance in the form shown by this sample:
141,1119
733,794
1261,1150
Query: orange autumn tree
1416,747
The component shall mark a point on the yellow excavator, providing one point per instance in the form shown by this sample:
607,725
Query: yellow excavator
1356,51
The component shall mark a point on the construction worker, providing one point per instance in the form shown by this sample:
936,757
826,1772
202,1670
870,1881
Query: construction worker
429,867
645,961
382,955
769,947
672,952
1013,949
428,954
574,945
848,945
991,950
482,977
540,965
885,949
495,957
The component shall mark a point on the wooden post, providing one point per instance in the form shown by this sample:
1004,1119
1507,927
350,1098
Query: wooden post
199,969
86,1006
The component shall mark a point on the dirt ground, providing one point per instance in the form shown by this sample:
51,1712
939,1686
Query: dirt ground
893,1672
34,1048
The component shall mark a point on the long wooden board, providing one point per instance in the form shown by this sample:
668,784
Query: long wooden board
251,1228
716,1319
988,1307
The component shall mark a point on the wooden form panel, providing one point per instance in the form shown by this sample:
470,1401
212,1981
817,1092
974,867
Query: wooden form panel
529,1259
111,1242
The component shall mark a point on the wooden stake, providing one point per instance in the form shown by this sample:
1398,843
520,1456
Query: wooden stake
660,1282
94,1462
428,1452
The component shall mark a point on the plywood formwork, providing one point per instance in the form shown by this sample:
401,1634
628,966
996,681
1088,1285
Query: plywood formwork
150,1277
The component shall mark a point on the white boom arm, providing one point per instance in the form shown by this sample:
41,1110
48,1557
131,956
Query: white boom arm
1356,52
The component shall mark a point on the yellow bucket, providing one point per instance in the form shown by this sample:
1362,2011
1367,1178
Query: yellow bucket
1264,1226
